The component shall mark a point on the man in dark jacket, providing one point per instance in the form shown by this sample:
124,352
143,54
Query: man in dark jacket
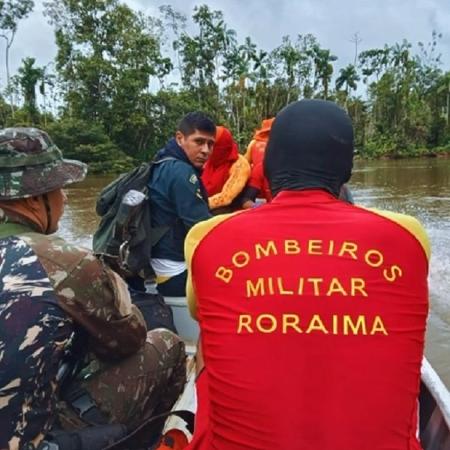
178,197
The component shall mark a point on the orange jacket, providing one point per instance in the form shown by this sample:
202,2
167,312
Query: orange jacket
238,175
173,440
226,172
257,147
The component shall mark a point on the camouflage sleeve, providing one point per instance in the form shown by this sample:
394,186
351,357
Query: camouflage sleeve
104,310
95,297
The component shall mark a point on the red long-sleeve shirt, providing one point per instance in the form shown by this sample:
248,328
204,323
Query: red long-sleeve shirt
312,315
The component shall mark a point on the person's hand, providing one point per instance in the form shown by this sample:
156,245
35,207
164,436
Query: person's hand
248,204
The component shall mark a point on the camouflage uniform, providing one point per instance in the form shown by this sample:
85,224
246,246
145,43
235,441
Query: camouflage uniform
52,293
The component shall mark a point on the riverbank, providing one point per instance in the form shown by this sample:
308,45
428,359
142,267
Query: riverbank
420,153
120,166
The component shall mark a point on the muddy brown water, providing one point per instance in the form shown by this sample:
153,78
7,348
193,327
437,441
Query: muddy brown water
417,187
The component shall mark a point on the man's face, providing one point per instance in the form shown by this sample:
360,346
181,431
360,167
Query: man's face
197,146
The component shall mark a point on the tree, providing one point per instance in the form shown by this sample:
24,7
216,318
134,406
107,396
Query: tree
203,54
374,61
288,56
11,12
106,56
28,77
323,67
348,77
124,79
176,23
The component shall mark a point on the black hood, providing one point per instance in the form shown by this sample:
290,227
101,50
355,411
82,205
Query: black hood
310,146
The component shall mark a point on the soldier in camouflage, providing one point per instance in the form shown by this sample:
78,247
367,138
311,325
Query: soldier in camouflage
54,295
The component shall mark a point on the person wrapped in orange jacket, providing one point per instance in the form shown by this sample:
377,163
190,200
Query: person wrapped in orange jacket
257,185
226,172
257,147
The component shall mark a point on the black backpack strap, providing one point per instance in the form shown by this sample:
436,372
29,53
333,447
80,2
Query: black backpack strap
111,436
90,438
84,405
134,439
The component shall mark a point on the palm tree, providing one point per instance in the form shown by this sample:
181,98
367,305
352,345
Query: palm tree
28,77
348,77
323,67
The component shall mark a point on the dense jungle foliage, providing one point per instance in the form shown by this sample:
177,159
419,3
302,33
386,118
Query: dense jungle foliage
121,80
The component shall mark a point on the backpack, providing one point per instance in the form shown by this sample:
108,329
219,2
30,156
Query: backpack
125,237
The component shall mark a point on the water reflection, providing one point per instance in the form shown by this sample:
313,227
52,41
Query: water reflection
420,188
80,220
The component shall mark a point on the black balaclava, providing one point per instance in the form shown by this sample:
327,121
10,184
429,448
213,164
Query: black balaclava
310,146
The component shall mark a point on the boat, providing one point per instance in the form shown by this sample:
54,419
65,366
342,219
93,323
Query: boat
434,398
434,410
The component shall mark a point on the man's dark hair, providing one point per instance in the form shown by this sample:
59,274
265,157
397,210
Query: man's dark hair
196,121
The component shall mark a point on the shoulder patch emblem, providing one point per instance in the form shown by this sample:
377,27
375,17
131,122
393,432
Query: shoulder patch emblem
193,179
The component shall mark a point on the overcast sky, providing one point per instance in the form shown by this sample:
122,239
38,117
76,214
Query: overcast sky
333,22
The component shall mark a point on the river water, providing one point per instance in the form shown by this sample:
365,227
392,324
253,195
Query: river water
420,188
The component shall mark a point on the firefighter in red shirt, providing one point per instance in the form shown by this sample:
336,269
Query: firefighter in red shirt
312,310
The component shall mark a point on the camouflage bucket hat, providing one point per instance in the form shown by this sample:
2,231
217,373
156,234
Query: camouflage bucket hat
31,164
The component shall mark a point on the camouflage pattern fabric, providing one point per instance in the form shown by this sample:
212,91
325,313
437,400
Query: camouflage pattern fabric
49,289
31,164
92,294
143,385
34,333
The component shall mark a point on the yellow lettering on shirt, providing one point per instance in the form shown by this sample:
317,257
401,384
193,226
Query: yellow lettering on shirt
356,328
378,326
255,289
316,283
244,322
240,259
266,323
313,286
315,247
316,324
224,274
301,283
291,247
335,287
281,288
337,324
330,247
358,285
392,273
291,321
373,258
269,249
349,248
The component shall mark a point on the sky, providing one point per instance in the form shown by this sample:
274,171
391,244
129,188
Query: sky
333,22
